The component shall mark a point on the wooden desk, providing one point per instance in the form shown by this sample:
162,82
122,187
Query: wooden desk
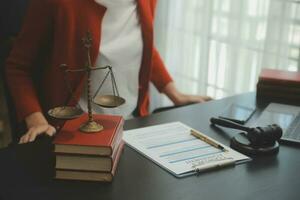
265,178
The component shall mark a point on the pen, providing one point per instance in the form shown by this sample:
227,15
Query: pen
206,139
226,163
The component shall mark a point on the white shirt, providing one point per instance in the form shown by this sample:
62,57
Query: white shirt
121,47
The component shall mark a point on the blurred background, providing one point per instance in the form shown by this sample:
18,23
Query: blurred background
218,47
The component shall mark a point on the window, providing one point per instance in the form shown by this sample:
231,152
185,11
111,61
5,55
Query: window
218,47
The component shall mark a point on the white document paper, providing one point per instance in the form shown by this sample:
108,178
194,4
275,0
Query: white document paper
172,147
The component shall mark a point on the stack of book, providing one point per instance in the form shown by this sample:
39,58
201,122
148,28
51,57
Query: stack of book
90,157
279,85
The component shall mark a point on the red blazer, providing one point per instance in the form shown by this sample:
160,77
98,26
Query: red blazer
51,35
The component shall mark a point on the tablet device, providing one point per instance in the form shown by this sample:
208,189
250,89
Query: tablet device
237,113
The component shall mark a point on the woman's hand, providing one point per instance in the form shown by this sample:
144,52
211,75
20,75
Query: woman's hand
179,98
36,125
183,99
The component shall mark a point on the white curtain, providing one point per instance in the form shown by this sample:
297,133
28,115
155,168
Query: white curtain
218,47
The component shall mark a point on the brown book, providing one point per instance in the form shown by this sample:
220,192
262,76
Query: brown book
280,77
84,176
86,162
277,88
91,175
70,140
278,97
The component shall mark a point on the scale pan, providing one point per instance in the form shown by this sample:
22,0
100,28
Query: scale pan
109,101
65,112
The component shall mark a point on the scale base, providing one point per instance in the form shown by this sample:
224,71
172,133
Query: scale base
91,127
241,144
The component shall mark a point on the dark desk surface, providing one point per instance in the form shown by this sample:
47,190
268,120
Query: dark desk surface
25,169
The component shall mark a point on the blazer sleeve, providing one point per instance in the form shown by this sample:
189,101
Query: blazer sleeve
26,49
160,77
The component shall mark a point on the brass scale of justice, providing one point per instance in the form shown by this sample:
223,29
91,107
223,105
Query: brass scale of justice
107,101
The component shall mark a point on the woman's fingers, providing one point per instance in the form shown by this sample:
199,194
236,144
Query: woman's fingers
24,138
29,135
207,98
50,131
34,131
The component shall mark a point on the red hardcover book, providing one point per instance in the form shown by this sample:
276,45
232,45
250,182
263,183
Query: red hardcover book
91,175
71,140
281,77
87,162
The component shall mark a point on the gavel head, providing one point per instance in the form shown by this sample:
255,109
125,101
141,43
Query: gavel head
261,136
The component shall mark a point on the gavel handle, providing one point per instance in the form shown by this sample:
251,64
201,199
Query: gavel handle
228,124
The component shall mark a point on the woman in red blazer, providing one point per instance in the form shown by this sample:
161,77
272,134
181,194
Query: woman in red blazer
50,36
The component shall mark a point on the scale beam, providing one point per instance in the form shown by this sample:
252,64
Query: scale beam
109,101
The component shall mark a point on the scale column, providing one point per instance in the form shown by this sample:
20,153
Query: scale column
89,97
90,126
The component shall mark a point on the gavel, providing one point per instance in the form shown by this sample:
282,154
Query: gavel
258,136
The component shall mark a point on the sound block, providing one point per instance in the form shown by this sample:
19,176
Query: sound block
241,144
